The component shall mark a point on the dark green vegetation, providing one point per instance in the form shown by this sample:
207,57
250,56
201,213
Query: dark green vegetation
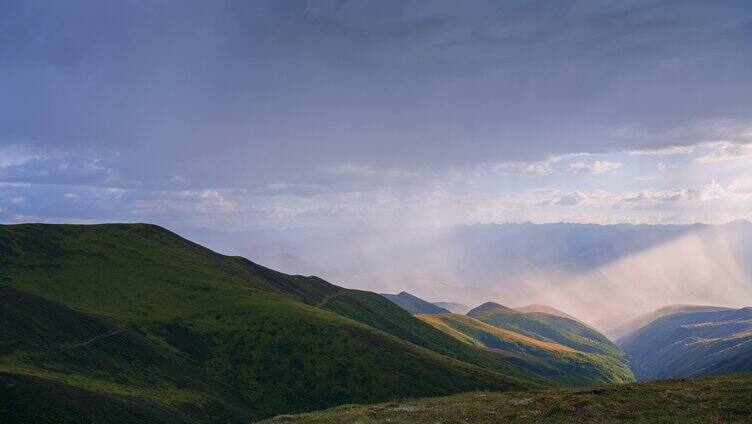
553,360
707,400
692,344
414,304
168,331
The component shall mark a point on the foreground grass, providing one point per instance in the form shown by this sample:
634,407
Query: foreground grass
709,400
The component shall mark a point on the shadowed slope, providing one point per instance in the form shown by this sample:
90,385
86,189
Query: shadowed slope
691,343
623,329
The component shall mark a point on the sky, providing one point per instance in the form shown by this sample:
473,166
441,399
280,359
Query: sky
329,115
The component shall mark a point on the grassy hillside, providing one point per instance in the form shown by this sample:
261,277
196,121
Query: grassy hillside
709,400
547,327
377,312
609,363
414,304
691,343
550,359
138,314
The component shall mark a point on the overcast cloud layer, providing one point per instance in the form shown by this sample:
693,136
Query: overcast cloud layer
383,113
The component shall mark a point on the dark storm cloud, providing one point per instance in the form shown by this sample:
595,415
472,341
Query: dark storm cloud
248,94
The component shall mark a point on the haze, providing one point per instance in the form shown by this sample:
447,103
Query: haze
377,143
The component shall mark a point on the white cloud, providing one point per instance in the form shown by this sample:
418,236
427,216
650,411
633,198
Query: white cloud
664,151
350,169
575,198
206,201
597,167
724,151
526,168
741,187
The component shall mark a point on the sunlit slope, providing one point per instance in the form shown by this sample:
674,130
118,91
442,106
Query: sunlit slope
255,338
550,359
709,400
691,343
555,329
547,327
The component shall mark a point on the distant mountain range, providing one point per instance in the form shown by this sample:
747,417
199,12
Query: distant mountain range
618,327
579,268
453,307
414,304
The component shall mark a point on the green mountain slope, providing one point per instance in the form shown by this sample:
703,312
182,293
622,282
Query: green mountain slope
560,330
414,304
708,400
237,341
544,326
553,360
378,312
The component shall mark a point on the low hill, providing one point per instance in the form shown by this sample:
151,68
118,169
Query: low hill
547,327
691,343
618,328
137,316
552,360
453,307
489,309
414,304
706,400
